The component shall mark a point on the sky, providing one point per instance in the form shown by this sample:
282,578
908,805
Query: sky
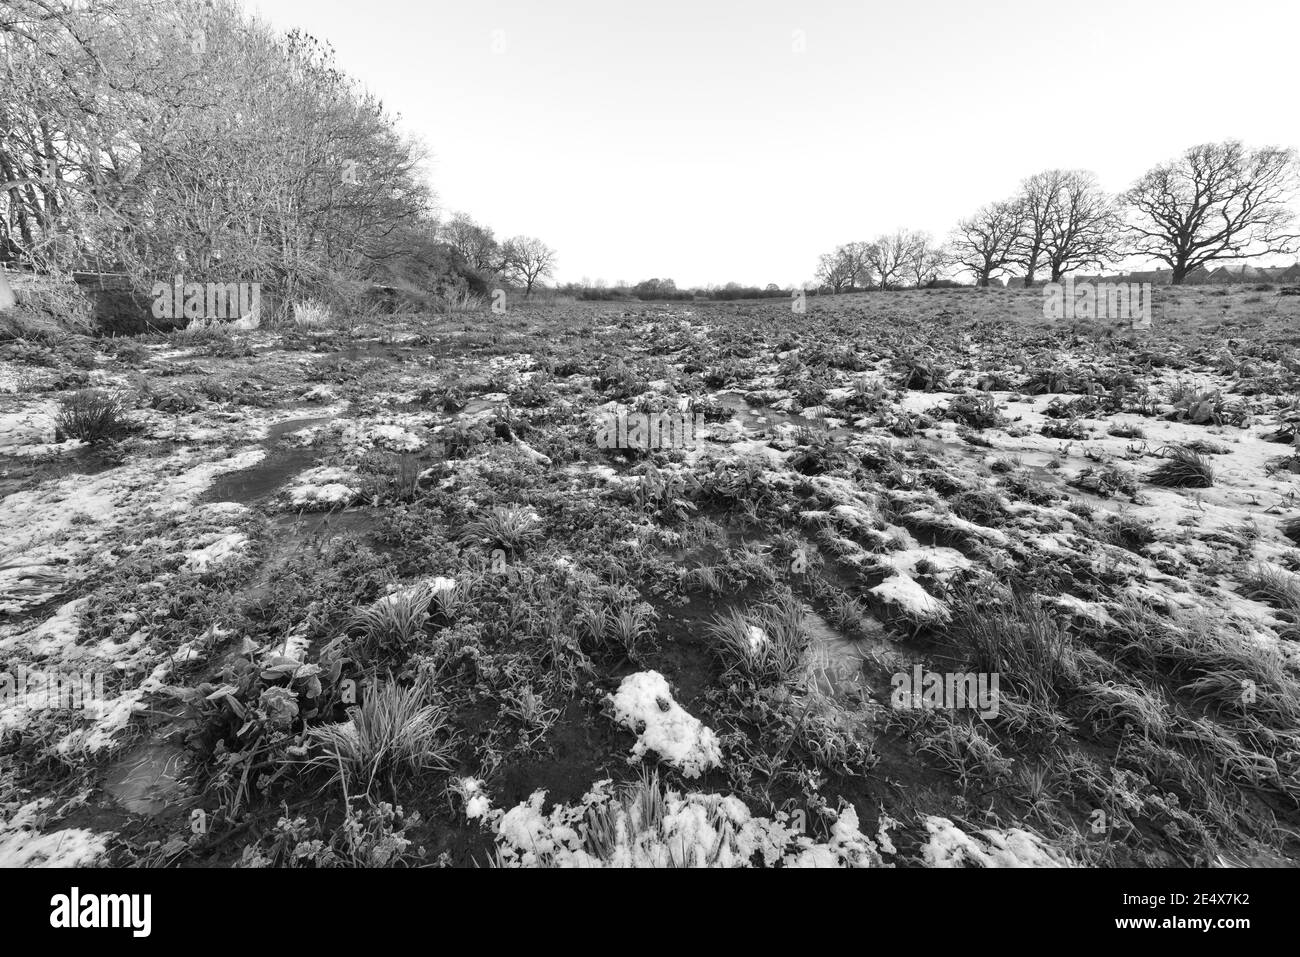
717,140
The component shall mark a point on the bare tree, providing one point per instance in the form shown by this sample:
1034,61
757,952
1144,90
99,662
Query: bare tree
845,268
1083,225
1216,201
889,257
473,241
925,260
141,135
1038,197
985,243
832,272
527,260
857,263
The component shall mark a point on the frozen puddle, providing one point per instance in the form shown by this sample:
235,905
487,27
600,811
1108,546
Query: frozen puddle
764,418
272,472
147,778
835,659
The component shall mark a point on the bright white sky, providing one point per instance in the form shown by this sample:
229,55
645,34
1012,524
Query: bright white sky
697,139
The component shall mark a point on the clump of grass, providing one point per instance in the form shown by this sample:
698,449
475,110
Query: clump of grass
1182,468
1112,705
1071,429
1016,638
1209,656
630,627
767,647
1128,530
311,313
1291,528
447,604
393,622
1125,430
1273,587
710,579
1107,480
509,527
631,825
91,415
1205,447
393,732
980,506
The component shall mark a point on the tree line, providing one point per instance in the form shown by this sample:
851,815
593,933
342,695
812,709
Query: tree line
523,260
1216,201
162,137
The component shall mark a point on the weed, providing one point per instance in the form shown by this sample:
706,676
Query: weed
91,415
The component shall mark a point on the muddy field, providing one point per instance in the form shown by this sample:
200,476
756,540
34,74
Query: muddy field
381,596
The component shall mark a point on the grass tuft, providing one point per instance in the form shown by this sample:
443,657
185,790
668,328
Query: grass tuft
1182,468
393,732
91,415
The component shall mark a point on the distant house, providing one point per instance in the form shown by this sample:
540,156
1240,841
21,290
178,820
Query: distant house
1197,277
1157,277
1290,274
1279,273
996,283
1242,273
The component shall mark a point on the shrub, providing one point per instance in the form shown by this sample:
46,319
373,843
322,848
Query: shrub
91,415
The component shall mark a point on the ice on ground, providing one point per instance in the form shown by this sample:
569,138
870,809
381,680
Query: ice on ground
214,553
33,426
23,845
394,438
113,716
903,593
424,589
646,706
319,393
323,486
688,830
50,639
478,805
950,846
52,534
942,561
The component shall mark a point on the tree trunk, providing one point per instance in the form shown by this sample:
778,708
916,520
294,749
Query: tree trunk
7,300
1180,273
